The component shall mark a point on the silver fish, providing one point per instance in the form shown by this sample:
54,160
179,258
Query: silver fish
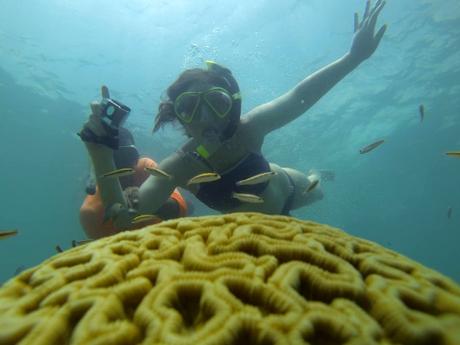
144,218
250,198
453,154
157,172
371,146
119,173
449,212
203,178
82,242
8,233
256,179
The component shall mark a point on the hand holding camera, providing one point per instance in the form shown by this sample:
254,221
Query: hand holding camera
106,118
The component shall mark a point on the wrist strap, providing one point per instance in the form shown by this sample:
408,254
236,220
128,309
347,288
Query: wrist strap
112,141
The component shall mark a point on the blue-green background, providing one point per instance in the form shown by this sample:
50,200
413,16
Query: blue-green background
55,54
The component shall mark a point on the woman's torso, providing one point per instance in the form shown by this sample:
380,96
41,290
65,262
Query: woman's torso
238,158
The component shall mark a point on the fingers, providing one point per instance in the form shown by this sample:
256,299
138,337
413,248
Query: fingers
377,6
375,15
379,35
366,11
96,108
94,124
105,91
356,21
376,11
365,16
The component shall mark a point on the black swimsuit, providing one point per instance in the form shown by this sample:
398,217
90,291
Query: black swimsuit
218,194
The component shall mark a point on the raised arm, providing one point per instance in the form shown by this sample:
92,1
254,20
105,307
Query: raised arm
100,144
286,108
101,139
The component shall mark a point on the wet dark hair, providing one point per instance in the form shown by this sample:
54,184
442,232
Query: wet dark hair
184,81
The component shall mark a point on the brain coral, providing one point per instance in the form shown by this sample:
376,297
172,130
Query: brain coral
241,278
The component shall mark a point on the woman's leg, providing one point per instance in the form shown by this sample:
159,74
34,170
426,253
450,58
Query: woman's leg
302,183
282,195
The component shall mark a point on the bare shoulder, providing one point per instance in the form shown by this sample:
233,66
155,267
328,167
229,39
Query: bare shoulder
249,133
181,166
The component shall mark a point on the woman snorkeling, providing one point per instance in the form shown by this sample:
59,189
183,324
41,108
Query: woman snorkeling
222,162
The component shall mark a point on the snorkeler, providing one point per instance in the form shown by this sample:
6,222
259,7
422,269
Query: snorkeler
224,148
92,215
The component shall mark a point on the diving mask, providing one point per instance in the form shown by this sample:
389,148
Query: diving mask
187,104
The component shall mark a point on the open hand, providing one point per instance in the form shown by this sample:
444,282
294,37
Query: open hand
364,41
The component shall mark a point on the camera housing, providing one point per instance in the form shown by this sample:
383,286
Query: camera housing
114,113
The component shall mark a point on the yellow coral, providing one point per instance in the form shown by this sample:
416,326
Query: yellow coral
241,278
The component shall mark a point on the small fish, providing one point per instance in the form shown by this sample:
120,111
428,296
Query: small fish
421,110
256,179
449,212
88,240
144,218
202,178
157,172
453,153
119,173
8,233
82,242
250,198
59,249
311,186
371,146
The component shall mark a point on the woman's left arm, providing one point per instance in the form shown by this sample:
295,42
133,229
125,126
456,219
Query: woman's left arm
284,109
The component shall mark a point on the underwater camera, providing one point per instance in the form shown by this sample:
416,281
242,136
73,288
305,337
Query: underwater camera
114,113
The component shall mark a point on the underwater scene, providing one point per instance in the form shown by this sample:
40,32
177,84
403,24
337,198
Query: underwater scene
384,140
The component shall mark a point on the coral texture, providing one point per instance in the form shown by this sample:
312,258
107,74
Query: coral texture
242,278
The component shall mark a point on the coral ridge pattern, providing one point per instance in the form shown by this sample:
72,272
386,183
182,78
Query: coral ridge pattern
242,278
